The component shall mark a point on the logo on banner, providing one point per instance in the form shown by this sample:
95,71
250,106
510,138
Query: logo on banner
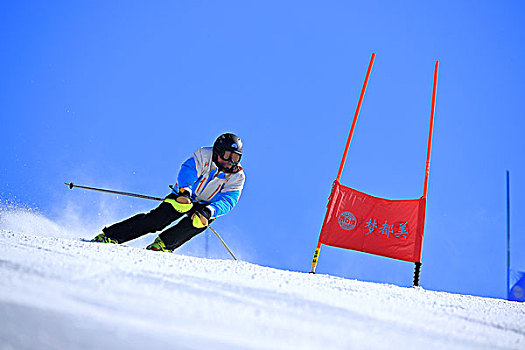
347,221
518,292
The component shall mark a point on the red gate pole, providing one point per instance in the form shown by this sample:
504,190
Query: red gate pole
432,110
348,141
417,267
357,110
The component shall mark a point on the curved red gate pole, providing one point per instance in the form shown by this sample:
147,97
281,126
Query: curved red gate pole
348,141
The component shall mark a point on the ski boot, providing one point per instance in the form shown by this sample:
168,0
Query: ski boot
158,245
102,238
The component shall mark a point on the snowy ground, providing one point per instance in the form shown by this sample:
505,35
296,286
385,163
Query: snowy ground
57,292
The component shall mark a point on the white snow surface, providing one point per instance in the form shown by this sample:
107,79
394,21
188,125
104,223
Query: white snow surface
58,292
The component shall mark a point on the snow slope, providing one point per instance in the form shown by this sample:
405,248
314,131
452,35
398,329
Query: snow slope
57,292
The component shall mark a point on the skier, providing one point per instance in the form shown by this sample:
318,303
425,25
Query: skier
209,185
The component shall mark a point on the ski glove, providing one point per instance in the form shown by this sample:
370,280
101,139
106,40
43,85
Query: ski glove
201,217
182,203
184,193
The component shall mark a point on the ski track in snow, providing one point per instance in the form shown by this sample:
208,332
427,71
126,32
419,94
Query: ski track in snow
62,293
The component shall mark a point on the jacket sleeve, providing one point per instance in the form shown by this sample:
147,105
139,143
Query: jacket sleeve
223,203
226,200
188,175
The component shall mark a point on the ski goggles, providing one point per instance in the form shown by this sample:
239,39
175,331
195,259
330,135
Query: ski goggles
231,157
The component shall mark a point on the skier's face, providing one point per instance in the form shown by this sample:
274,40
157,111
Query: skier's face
227,155
225,164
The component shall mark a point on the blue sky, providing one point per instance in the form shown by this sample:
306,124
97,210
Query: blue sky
118,94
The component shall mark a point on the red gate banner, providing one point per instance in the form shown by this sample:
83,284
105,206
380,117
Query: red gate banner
358,221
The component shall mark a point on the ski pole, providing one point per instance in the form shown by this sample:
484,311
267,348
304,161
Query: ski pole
222,241
72,185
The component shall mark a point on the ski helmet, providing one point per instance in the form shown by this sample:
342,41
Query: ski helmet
228,142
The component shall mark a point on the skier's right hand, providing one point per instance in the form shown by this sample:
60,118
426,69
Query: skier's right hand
184,196
181,203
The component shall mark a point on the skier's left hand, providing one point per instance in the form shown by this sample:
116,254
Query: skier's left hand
201,217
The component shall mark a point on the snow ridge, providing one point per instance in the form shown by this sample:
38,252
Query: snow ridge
60,292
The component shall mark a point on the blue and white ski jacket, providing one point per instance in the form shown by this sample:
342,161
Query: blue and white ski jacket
207,184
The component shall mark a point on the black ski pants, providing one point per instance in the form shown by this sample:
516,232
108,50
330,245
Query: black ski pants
156,220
